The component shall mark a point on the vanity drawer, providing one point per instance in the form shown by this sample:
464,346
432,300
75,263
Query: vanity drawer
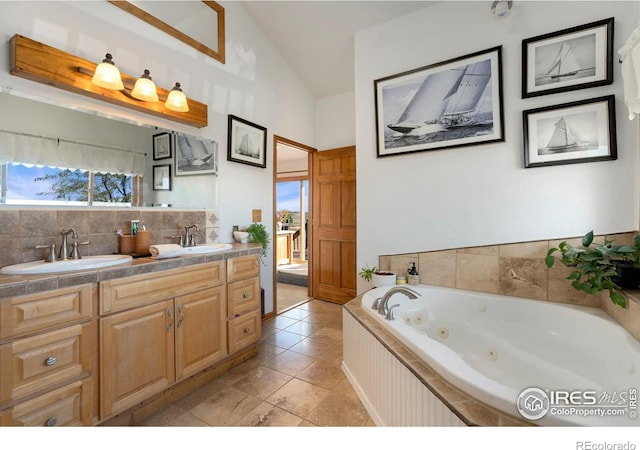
26,314
33,364
66,406
243,267
125,293
243,296
244,330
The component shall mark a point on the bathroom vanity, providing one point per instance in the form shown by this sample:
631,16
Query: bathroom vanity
118,344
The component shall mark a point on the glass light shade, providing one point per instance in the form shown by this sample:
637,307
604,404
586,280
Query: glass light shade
145,89
176,100
107,75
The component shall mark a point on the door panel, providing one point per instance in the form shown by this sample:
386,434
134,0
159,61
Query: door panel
334,225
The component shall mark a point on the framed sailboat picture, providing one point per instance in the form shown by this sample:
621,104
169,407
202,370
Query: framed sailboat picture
453,103
577,132
576,58
247,142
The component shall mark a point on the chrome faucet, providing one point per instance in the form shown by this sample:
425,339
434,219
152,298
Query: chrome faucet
64,247
189,240
383,303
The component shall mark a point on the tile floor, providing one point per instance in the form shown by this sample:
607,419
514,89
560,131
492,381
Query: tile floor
295,380
290,295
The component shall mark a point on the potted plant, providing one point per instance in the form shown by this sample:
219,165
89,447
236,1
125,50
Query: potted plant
600,267
378,277
258,233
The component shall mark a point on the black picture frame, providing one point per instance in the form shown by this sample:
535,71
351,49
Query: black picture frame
246,142
569,133
195,155
574,58
162,146
453,103
162,177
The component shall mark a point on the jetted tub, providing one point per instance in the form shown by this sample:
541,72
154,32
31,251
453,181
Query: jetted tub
494,347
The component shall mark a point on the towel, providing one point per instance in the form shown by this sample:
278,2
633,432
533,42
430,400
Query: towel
161,251
630,58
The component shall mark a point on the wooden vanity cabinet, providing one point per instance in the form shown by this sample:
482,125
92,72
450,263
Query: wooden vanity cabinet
146,349
48,358
243,301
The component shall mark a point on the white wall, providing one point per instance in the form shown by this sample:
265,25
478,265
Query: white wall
482,194
335,121
255,84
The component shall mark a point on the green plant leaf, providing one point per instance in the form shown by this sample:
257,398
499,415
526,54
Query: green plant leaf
587,239
618,299
549,261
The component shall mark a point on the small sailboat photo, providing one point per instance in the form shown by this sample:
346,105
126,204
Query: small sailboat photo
564,139
565,61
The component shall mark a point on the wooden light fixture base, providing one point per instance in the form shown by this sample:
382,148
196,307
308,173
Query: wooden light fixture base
39,62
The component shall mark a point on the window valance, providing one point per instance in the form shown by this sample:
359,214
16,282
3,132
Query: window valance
23,148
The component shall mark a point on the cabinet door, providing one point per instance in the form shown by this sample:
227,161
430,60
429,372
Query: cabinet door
137,357
201,337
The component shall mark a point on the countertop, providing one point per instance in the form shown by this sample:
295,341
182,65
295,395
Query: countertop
11,285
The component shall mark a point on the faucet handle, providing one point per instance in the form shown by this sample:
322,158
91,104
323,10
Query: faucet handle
51,257
376,303
389,315
178,237
74,252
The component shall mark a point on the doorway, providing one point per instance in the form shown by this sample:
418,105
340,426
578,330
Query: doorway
292,185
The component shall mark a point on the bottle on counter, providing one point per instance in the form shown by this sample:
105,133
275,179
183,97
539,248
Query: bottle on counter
412,278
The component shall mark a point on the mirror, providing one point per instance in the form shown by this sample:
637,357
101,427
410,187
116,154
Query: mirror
35,117
198,24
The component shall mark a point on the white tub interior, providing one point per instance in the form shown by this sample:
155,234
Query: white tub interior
493,347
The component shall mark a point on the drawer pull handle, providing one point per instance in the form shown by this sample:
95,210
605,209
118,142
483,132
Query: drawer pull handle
50,361
245,295
51,422
246,330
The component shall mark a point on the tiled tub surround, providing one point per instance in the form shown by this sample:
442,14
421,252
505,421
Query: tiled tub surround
22,229
516,270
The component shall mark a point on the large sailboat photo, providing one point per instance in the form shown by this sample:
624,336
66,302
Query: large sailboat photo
442,108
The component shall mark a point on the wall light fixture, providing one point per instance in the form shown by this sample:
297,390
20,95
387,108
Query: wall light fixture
107,74
44,64
145,88
176,100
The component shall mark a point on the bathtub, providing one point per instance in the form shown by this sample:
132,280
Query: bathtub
495,347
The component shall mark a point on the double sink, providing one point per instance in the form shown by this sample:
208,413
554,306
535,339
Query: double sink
95,262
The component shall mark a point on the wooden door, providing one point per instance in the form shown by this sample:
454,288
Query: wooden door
333,237
137,357
201,332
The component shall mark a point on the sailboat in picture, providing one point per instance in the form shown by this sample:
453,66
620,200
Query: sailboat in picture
563,139
448,99
564,65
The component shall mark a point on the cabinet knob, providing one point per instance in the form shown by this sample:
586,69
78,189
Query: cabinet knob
50,361
246,330
51,422
245,295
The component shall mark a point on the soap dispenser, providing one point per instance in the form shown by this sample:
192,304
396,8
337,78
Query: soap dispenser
412,278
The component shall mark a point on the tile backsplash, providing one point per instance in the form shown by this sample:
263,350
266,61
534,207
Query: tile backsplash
21,230
516,270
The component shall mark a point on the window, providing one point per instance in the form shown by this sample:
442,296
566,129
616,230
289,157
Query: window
26,184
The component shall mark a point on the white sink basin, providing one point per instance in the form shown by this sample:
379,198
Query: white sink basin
86,263
206,248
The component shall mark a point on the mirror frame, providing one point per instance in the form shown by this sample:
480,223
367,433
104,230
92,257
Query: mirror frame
218,55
